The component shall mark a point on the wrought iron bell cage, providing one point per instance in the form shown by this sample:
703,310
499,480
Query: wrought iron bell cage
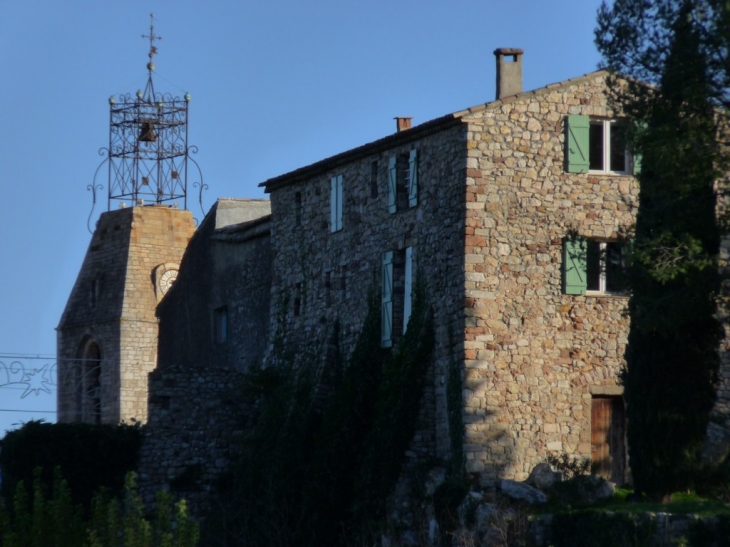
148,148
148,156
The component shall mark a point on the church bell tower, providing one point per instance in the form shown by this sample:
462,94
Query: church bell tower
107,336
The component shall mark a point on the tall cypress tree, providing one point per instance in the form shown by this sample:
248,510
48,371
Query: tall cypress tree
672,356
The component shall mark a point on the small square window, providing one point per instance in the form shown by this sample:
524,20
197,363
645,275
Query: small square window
591,266
597,146
220,324
604,266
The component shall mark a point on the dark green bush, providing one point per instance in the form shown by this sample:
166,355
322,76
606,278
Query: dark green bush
89,457
592,528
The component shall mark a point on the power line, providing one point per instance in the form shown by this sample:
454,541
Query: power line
31,411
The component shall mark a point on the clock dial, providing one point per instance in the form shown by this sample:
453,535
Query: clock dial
167,279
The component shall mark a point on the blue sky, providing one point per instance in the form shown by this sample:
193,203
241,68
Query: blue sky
275,85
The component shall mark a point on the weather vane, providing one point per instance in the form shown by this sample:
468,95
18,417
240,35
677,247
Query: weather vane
152,36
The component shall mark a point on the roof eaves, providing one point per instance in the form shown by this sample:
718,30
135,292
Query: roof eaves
243,231
419,131
428,128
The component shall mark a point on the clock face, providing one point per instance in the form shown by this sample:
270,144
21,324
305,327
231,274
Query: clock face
167,279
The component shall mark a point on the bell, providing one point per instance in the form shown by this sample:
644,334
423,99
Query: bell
147,132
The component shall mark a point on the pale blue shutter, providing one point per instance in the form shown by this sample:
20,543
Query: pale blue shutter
336,203
386,315
392,183
413,179
333,204
340,201
576,144
408,295
575,271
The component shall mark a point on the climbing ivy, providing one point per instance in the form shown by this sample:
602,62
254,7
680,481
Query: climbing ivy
312,472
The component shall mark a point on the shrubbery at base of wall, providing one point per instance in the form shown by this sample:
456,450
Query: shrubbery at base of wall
89,457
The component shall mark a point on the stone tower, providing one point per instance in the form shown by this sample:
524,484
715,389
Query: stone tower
107,336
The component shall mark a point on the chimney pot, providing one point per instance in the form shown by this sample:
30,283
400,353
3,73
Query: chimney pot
403,123
509,71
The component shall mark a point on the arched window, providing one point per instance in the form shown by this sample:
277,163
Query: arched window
88,383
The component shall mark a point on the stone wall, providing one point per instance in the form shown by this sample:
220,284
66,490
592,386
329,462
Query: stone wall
534,356
322,278
494,206
194,416
195,392
226,266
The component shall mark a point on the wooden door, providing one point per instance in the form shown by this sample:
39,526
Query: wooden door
608,434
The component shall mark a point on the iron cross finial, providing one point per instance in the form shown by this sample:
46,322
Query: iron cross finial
152,36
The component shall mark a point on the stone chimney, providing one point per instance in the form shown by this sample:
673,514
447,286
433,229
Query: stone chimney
402,123
509,71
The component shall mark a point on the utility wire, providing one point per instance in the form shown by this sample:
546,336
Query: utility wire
31,411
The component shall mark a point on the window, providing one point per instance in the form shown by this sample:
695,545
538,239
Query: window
397,286
597,146
607,147
604,267
220,325
374,179
592,266
403,181
336,204
298,209
298,300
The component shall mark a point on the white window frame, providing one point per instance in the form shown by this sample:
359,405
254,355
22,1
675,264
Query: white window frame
606,130
602,269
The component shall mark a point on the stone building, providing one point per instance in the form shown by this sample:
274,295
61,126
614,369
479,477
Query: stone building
509,214
107,336
503,211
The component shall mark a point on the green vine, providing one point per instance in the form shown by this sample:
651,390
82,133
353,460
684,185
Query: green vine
313,472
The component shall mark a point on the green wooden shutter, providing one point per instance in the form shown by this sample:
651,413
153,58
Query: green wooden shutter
386,315
640,127
636,158
576,144
408,293
413,179
575,276
392,183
